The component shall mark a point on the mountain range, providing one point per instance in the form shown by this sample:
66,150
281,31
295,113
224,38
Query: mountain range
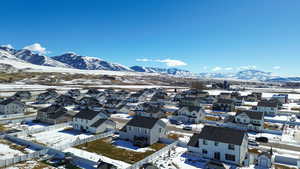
14,57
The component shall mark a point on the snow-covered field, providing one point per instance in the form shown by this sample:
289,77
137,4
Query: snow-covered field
28,126
58,137
31,164
178,159
6,152
95,157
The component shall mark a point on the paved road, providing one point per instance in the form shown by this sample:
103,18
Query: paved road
282,146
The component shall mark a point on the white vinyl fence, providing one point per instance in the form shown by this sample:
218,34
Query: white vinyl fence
153,156
21,158
38,130
85,140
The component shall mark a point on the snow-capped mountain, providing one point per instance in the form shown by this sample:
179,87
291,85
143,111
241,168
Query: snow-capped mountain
255,75
38,59
170,71
89,63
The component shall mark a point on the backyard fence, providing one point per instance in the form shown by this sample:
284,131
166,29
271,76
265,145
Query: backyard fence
21,158
85,140
42,129
153,156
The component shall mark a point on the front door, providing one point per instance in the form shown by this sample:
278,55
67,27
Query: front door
217,156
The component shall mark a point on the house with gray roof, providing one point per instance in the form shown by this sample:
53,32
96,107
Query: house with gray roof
53,114
268,107
226,105
12,106
189,114
143,131
247,120
93,121
149,109
220,144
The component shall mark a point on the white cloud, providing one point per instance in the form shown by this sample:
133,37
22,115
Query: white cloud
36,47
168,62
276,67
143,60
216,69
205,67
8,46
172,62
228,68
247,67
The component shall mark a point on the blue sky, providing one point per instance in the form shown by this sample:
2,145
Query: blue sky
197,35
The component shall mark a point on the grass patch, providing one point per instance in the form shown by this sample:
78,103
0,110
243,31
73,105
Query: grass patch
104,147
2,128
212,118
278,166
174,136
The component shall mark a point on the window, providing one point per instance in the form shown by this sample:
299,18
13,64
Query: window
204,142
145,131
160,130
216,143
204,151
230,146
230,157
129,128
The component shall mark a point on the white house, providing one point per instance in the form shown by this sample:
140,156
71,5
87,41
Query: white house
247,120
221,144
268,107
189,114
92,121
149,110
143,131
11,106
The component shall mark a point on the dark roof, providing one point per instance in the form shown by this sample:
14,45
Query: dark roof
53,108
143,122
98,122
266,103
86,114
252,114
225,101
220,134
10,100
194,140
57,114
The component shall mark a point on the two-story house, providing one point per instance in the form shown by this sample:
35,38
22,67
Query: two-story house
149,109
226,105
53,114
268,107
247,120
143,131
12,106
189,114
93,121
221,144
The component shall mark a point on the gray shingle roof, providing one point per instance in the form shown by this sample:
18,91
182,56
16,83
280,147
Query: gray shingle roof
225,101
252,114
86,114
219,134
267,104
143,122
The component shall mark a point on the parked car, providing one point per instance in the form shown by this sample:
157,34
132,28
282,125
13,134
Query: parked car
262,139
252,143
187,128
